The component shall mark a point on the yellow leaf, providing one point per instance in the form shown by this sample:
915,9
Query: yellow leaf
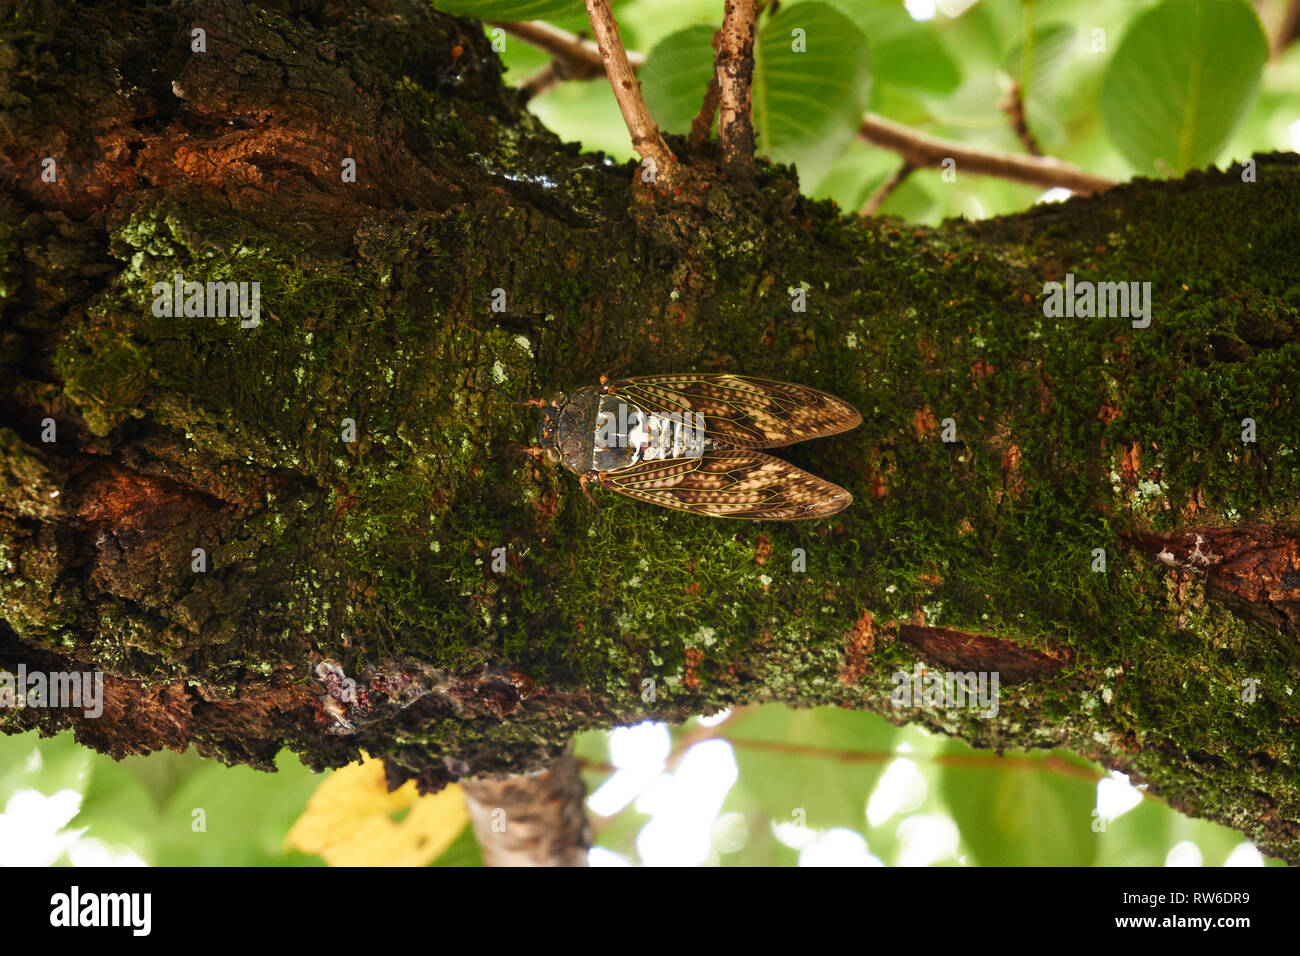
349,820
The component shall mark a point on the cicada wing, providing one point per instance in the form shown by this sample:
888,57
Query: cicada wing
731,483
743,411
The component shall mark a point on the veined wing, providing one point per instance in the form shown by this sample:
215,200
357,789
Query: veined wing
731,483
744,411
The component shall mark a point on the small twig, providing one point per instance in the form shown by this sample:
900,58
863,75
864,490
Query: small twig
544,78
702,125
926,151
1014,107
646,140
734,69
1051,763
886,189
580,57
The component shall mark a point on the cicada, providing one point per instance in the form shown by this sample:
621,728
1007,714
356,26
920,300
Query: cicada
689,442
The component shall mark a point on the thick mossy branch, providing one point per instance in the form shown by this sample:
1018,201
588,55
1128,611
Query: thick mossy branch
476,261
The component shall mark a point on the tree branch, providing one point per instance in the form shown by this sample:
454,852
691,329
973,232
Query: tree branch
1014,107
531,819
702,125
178,433
886,189
579,57
921,150
640,124
734,70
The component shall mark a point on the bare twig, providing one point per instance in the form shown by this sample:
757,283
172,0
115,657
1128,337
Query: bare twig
544,78
1051,764
885,190
574,58
1014,107
640,124
580,57
702,125
925,151
734,69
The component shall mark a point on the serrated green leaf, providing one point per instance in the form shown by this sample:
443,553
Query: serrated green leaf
1053,48
812,80
1182,79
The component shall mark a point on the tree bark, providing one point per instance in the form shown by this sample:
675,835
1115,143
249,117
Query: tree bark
376,556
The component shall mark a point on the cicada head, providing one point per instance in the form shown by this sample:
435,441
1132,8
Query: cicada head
549,423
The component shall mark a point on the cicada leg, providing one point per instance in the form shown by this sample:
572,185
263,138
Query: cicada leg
583,482
604,377
533,451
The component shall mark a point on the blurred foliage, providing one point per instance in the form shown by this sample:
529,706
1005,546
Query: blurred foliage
801,774
183,810
1117,87
804,773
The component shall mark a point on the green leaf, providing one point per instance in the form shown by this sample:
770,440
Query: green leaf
812,80
1053,48
1019,815
857,172
118,809
161,773
464,851
1180,82
675,75
246,815
903,52
510,9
